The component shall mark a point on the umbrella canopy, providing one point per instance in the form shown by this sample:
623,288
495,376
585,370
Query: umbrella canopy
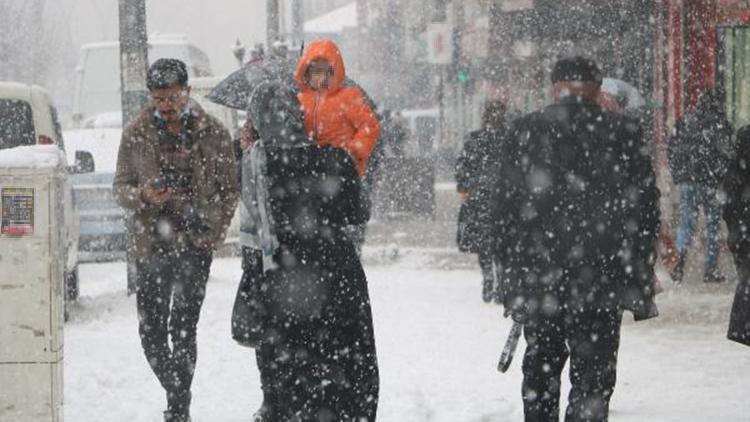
236,89
267,91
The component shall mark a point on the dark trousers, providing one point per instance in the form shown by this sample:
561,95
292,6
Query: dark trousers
170,292
485,263
252,273
591,339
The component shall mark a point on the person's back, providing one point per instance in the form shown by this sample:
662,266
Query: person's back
314,293
476,170
577,215
699,152
314,194
699,146
578,168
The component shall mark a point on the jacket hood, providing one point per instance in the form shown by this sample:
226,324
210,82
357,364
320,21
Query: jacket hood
321,50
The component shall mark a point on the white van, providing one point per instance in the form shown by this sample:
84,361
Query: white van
28,117
97,90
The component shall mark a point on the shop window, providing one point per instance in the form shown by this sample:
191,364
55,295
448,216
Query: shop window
735,73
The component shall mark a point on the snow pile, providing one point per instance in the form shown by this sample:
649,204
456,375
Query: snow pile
34,156
438,347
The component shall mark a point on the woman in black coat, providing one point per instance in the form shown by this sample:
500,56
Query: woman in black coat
476,169
737,216
317,329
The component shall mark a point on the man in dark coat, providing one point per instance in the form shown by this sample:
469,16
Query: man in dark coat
698,154
318,343
577,219
737,216
475,171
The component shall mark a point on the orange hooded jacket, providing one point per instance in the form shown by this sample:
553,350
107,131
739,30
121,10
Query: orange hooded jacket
338,115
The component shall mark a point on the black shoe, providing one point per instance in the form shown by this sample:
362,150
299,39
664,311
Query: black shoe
679,270
714,276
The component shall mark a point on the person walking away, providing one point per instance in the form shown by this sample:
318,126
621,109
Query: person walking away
318,328
175,176
698,158
475,168
737,216
577,223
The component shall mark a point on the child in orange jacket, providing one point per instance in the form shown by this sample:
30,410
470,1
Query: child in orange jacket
335,113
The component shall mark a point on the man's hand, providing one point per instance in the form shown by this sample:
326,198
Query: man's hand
155,196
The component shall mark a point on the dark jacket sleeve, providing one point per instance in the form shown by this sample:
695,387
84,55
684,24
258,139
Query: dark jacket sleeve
639,294
737,189
350,203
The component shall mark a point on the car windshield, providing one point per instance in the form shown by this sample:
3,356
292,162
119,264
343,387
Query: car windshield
16,124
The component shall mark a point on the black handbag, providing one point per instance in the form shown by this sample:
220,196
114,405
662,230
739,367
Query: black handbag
248,312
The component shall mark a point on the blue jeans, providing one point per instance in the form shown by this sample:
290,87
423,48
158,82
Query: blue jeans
693,196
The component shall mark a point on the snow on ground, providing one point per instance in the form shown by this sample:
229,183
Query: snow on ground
438,346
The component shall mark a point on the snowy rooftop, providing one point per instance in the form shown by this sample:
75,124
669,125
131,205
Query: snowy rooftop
36,156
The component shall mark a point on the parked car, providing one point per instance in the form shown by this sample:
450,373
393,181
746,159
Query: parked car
28,117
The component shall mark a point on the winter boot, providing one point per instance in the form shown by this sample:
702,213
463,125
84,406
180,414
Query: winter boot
679,270
714,276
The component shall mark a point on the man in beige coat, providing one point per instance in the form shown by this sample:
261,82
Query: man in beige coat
177,179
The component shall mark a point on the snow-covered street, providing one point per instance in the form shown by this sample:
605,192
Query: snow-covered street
438,346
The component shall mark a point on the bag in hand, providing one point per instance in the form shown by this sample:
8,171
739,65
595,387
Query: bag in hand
248,312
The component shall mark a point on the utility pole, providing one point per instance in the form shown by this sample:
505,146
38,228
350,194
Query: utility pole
298,23
133,57
272,23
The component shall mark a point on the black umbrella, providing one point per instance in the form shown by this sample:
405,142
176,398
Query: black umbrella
267,91
236,89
